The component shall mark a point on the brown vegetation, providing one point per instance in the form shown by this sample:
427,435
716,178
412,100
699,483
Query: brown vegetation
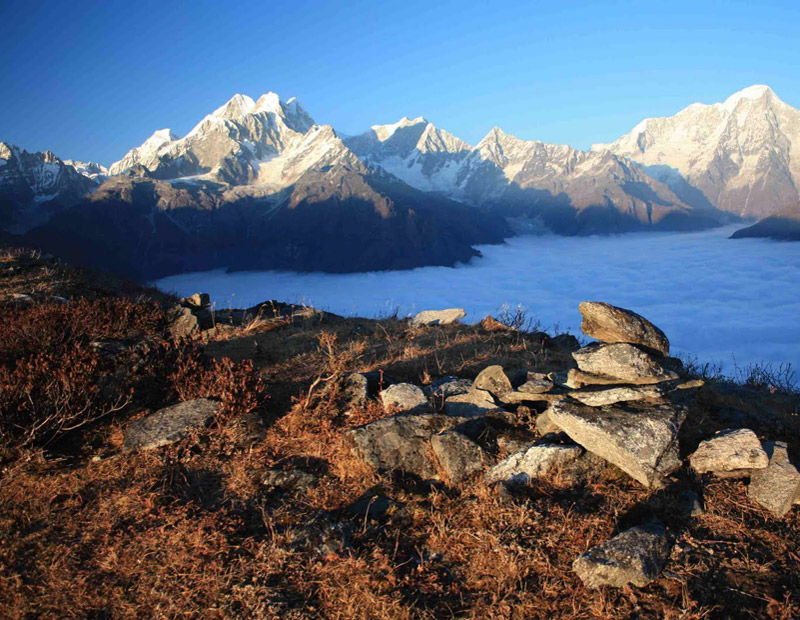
190,530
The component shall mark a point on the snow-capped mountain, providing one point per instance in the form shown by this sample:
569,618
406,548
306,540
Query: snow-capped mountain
739,156
415,151
92,170
35,185
231,145
515,176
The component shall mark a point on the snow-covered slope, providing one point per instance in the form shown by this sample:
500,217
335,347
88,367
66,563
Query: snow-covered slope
415,151
228,145
89,169
35,185
740,155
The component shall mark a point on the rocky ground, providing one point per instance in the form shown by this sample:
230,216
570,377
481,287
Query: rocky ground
164,458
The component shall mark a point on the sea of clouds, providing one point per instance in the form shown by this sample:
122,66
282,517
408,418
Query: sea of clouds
733,302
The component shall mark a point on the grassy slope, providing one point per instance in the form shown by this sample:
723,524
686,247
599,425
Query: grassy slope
189,530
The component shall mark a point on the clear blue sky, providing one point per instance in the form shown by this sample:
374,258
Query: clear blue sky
90,80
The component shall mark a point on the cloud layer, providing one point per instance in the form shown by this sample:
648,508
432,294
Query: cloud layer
717,299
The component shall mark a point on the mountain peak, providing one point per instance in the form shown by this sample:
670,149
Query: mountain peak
751,93
269,102
384,132
236,106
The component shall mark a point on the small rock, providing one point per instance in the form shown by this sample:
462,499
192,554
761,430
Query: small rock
491,324
458,456
109,348
777,486
608,323
545,426
598,398
473,403
185,322
198,301
536,386
565,342
642,440
636,556
576,379
447,386
730,450
533,462
691,503
439,317
287,479
355,390
170,424
404,397
624,362
372,507
493,379
401,442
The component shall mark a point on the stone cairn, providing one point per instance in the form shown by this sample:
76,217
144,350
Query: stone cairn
617,405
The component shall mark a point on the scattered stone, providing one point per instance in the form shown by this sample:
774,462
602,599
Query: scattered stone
777,486
515,398
691,503
493,379
170,424
446,387
491,324
287,479
198,301
509,445
355,390
473,403
401,442
599,398
624,362
439,317
642,440
545,426
565,342
558,377
576,379
185,322
532,462
690,385
458,456
109,348
731,450
536,386
404,397
608,323
636,556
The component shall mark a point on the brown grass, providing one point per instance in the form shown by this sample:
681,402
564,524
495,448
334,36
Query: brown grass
189,530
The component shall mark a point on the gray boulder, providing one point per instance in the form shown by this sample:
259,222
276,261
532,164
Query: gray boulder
170,424
185,322
198,301
608,323
447,386
439,317
473,403
458,456
777,486
401,442
536,385
731,450
493,379
404,397
636,556
625,362
641,440
532,462
621,394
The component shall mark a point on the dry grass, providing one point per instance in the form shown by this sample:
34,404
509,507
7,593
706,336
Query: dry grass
189,530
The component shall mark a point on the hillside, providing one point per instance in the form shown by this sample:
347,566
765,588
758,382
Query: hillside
164,458
782,226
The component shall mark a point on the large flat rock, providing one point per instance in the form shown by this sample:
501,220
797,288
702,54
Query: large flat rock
608,323
642,440
170,424
728,451
625,362
401,442
439,317
777,486
636,556
532,462
404,397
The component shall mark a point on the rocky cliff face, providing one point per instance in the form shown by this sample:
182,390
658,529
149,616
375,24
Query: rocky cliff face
738,156
35,185
783,226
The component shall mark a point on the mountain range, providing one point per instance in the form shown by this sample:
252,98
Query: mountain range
257,184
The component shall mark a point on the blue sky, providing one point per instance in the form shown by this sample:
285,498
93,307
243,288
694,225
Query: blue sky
90,80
